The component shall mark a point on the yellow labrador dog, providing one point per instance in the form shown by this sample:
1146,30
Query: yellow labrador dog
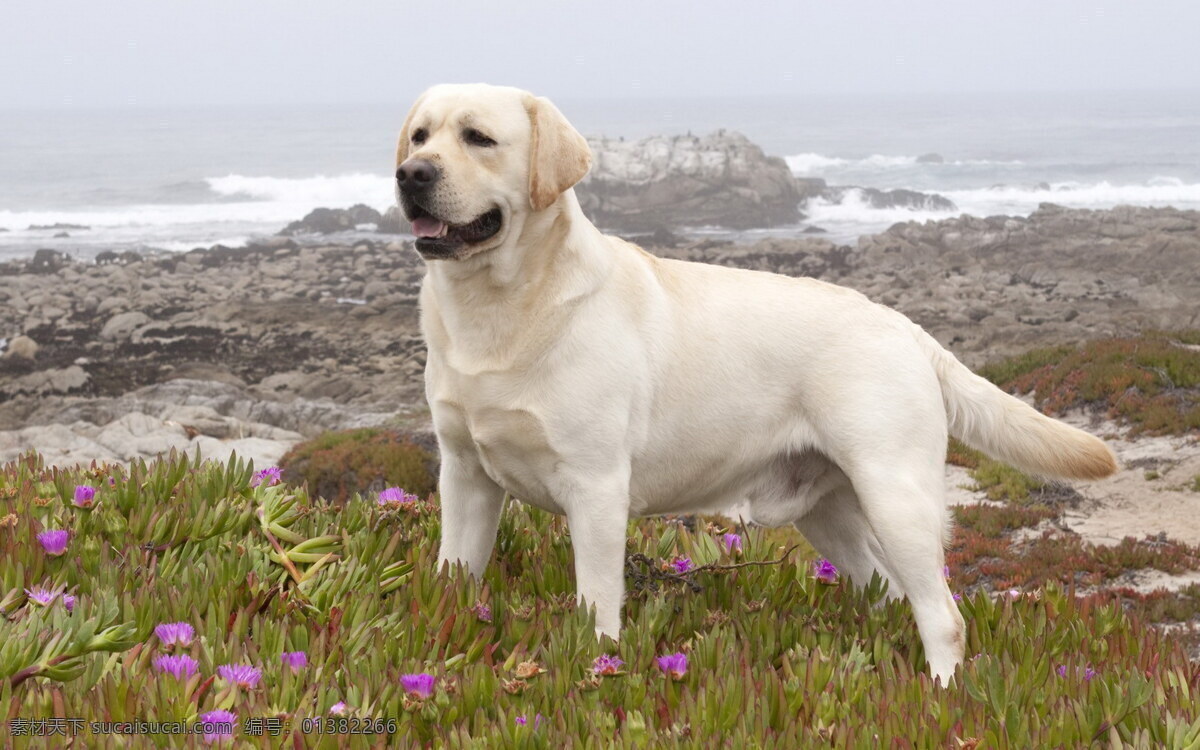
589,378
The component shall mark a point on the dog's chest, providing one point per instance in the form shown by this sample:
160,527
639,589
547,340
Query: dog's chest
479,414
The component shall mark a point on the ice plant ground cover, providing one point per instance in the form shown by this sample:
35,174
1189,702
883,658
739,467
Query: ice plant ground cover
774,658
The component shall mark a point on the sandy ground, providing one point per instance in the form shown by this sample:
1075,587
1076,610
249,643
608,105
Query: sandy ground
1151,494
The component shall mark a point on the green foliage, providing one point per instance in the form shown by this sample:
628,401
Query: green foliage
336,465
1152,382
775,658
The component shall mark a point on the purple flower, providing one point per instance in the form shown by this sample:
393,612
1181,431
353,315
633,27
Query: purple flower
482,611
242,675
338,709
41,595
1062,670
54,541
181,666
297,660
420,684
68,601
271,476
607,665
945,571
825,571
673,664
218,725
175,634
1088,674
395,496
521,721
733,543
681,565
957,596
84,496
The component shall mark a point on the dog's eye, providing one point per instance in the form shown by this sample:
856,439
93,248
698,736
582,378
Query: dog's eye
419,136
475,138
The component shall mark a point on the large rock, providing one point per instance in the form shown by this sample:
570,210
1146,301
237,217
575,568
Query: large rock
122,325
393,222
679,181
21,347
898,198
330,220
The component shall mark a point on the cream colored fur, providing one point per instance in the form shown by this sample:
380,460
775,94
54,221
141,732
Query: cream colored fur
582,375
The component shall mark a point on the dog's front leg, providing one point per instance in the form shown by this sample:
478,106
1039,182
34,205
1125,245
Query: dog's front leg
598,540
471,505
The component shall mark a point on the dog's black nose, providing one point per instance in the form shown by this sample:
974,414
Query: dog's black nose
415,174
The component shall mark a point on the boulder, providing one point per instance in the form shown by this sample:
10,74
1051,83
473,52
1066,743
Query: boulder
686,181
330,220
46,260
21,347
122,325
393,222
899,198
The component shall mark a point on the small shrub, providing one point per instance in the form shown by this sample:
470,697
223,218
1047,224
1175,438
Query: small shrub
338,464
1151,382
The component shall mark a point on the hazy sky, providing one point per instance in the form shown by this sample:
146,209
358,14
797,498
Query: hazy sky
122,53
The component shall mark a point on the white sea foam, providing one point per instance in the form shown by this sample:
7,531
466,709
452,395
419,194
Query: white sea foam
337,191
810,164
237,199
853,216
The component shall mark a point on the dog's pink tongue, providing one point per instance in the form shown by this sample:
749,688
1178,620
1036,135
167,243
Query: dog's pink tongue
427,226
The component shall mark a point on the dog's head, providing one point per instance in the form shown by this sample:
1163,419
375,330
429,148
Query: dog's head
474,160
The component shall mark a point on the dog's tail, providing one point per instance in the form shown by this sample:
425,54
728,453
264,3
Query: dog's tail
988,419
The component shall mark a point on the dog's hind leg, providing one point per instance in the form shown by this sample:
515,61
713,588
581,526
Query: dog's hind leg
837,528
906,512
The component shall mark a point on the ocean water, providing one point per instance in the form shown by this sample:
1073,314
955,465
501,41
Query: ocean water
182,178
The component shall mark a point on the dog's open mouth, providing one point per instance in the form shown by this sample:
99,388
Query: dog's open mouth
438,239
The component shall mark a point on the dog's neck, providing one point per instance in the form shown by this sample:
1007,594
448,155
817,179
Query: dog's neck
546,266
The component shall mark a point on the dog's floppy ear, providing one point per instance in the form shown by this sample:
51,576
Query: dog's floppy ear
405,134
559,156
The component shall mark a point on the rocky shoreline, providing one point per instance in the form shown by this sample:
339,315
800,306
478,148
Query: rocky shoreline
118,359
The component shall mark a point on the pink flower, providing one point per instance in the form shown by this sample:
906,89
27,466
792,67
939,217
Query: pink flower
607,665
181,666
84,496
394,496
242,675
681,565
420,684
825,571
54,541
41,595
270,476
673,664
733,542
172,634
218,725
338,709
297,660
68,601
482,611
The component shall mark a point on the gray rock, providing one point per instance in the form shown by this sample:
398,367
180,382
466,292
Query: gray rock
122,325
680,181
329,220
